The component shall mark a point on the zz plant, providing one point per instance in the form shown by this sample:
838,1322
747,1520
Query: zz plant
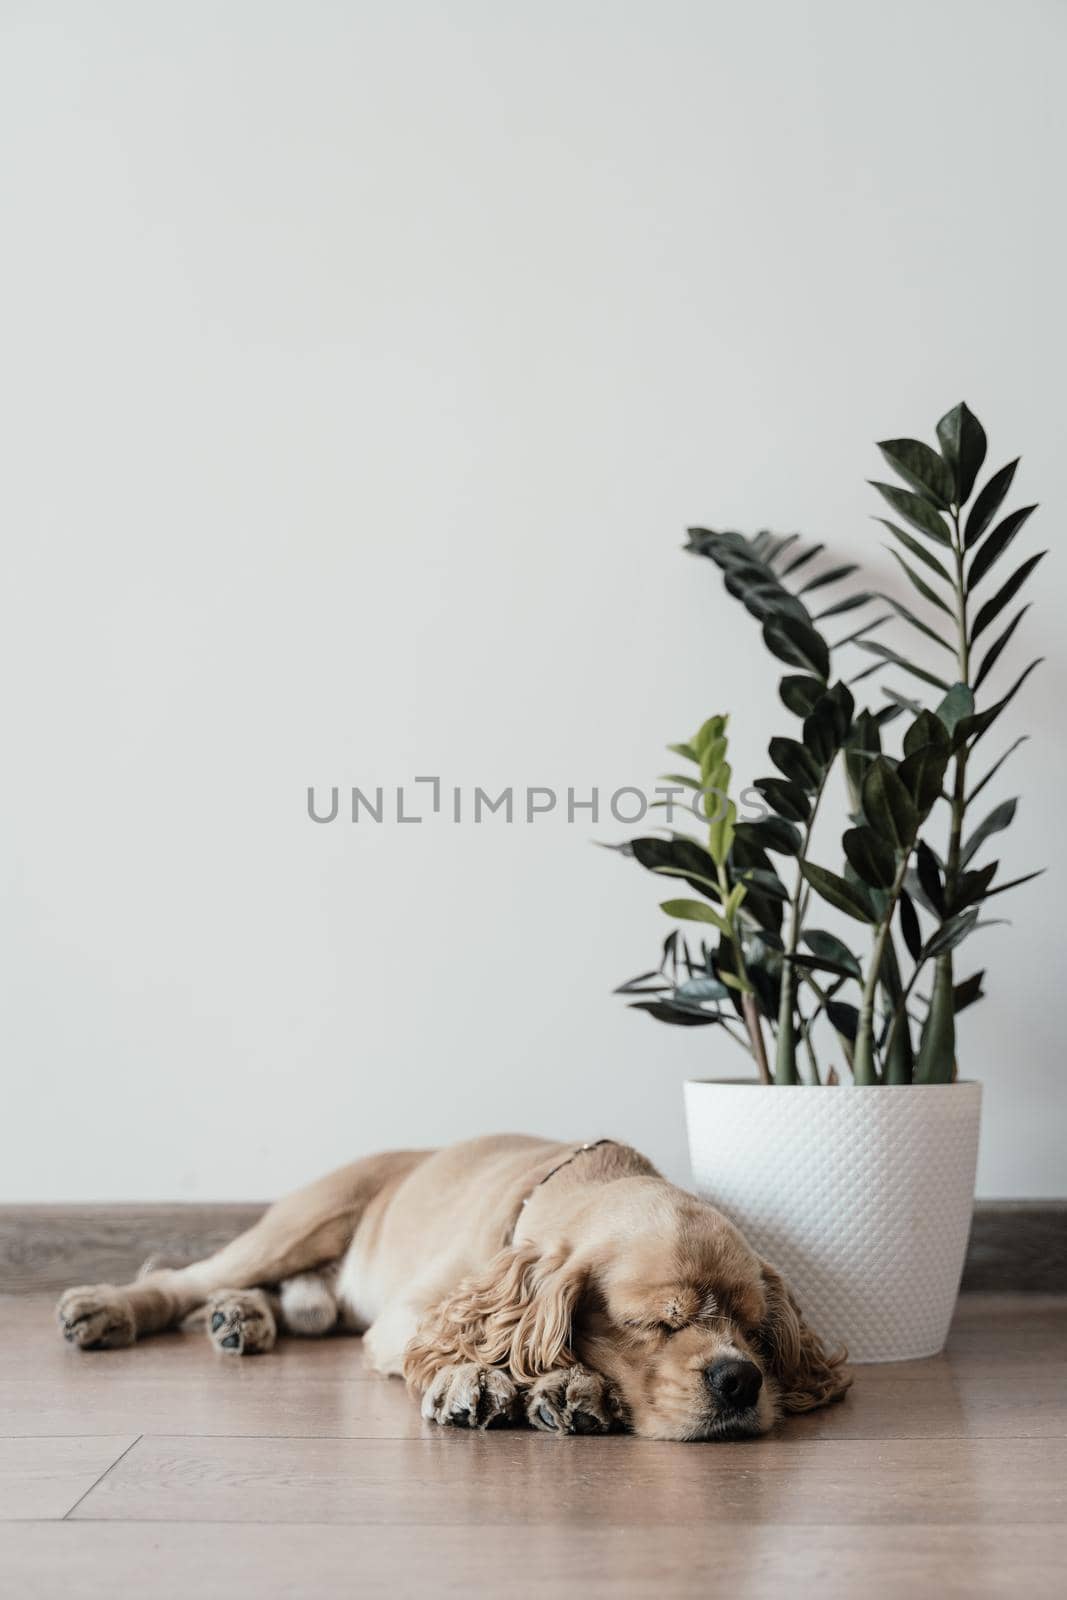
909,873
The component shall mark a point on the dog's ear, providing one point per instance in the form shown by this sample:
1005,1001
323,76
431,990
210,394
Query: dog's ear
516,1314
809,1374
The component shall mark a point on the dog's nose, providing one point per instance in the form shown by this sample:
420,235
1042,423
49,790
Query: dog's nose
734,1383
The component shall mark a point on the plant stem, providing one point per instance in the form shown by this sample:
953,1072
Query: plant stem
755,1033
938,1046
864,1069
785,1066
963,668
749,1009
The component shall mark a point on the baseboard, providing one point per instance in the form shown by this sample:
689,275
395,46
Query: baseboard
1017,1246
48,1248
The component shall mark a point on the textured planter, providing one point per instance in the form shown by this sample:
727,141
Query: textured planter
863,1198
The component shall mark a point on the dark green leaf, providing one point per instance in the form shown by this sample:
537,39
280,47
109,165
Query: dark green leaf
803,559
787,799
831,575
1000,817
830,948
920,584
914,509
918,550
820,964
966,993
796,762
930,877
923,774
992,608
950,933
888,806
798,645
769,882
956,706
851,898
917,622
820,733
844,1018
637,985
698,989
993,654
963,445
1015,882
684,856
772,833
875,649
995,546
971,887
842,707
850,603
974,727
995,768
865,742
774,556
988,503
926,729
747,857
870,857
922,468
685,1016
909,925
798,693
861,633
868,672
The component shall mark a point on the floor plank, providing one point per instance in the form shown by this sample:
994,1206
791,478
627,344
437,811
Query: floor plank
497,1479
97,1561
47,1477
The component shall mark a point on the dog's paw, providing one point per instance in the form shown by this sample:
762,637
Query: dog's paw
573,1400
470,1396
96,1317
240,1322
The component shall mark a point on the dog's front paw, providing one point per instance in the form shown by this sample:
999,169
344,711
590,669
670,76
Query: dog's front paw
96,1317
240,1322
470,1396
573,1400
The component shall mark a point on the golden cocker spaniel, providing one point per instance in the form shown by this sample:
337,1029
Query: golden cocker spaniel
509,1280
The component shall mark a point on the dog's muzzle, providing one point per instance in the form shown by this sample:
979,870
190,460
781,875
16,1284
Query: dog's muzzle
735,1385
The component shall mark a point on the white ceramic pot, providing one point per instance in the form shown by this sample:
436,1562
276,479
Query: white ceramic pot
862,1197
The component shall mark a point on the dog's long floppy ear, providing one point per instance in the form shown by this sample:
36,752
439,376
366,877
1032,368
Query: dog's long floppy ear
516,1314
809,1374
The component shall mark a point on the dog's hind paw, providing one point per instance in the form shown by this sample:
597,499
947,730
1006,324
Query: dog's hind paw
96,1317
469,1396
573,1400
240,1322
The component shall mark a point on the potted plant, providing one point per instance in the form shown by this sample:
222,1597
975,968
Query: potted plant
862,1194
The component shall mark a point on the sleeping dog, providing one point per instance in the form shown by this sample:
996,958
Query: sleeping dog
509,1280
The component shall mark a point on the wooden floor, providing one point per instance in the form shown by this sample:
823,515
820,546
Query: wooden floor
165,1470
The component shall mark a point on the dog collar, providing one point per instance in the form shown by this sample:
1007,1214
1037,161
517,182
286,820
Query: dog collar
557,1168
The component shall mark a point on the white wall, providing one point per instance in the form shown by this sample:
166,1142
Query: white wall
362,366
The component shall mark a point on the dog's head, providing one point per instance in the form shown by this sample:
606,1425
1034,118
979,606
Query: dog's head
660,1294
701,1337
